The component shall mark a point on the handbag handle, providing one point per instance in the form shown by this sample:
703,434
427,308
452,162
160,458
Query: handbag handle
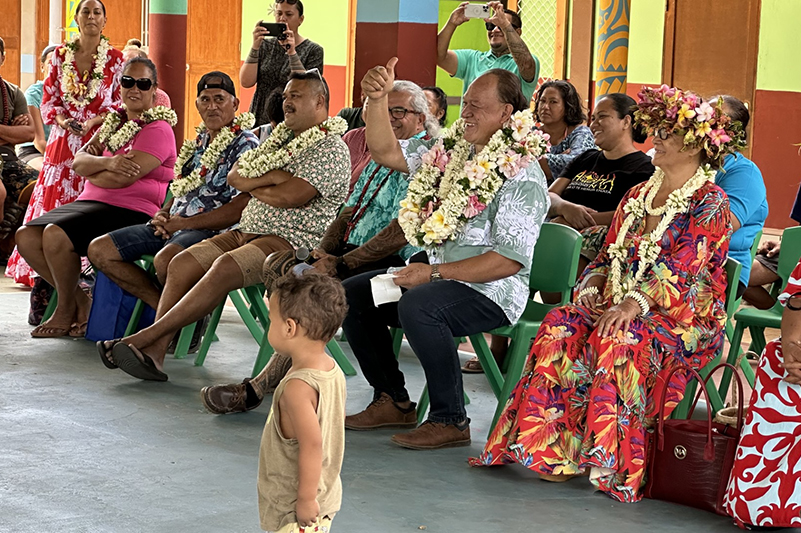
737,392
709,449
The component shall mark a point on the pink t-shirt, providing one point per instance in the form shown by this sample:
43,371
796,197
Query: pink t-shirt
147,193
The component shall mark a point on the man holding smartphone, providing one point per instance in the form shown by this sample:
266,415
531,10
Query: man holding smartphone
507,49
278,50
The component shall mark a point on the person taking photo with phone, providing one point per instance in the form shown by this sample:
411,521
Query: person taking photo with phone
276,53
507,49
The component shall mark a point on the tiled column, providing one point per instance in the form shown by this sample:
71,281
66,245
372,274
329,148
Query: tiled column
167,49
612,59
406,29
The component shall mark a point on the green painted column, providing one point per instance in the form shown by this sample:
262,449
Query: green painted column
167,43
612,59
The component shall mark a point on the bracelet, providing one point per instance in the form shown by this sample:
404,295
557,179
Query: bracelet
641,301
435,275
586,291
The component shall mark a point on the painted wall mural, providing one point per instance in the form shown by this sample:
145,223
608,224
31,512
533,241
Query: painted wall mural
612,59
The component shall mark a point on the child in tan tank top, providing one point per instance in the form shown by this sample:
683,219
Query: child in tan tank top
304,439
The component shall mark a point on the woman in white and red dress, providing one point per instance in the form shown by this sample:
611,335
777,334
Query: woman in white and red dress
83,84
765,485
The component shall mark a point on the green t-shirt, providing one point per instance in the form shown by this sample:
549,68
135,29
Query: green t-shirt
473,64
33,96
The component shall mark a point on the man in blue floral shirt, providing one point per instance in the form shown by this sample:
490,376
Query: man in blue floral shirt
187,219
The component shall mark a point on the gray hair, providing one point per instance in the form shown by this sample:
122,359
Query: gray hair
419,103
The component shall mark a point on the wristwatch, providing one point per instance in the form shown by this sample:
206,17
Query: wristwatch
435,275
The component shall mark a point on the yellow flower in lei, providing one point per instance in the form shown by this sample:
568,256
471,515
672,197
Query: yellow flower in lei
114,136
73,90
449,188
210,160
276,152
651,243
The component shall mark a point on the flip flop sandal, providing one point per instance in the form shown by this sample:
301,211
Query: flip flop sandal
128,359
78,331
472,366
104,353
39,332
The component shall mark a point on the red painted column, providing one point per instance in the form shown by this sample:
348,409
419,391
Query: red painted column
167,43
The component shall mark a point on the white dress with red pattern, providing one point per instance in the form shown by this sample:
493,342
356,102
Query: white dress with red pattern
58,184
765,484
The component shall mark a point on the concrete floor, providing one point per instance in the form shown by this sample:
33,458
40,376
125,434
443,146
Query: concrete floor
86,449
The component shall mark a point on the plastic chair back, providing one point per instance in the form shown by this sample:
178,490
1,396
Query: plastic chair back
555,261
733,268
790,253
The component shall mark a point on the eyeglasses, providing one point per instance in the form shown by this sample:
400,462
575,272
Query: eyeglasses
491,27
399,113
143,84
662,133
316,71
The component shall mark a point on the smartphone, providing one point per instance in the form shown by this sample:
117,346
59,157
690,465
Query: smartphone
477,11
275,29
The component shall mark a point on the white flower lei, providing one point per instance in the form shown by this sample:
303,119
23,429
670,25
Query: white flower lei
635,208
71,85
276,152
448,189
114,136
210,159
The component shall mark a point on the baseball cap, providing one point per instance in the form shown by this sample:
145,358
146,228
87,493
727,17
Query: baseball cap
224,82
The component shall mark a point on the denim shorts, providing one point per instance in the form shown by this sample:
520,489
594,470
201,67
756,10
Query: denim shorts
135,241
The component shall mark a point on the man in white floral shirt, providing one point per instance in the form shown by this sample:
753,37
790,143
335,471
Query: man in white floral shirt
298,179
477,278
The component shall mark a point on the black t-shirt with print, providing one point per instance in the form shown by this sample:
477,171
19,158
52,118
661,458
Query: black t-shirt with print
600,183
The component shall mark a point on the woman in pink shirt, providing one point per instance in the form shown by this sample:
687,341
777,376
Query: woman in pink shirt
128,165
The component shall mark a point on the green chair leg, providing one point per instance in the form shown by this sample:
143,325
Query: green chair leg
734,353
265,353
397,340
184,341
517,355
422,404
51,307
339,356
251,323
491,370
210,335
136,315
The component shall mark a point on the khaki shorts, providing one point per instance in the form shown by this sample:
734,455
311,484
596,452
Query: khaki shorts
248,250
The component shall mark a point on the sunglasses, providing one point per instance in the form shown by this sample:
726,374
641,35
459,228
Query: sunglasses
491,27
662,133
143,84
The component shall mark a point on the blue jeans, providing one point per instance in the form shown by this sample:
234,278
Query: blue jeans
135,241
431,315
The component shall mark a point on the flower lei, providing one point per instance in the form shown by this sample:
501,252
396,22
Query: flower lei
650,246
448,190
114,134
702,124
210,160
276,152
73,89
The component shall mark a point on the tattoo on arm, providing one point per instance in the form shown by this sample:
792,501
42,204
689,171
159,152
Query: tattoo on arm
295,64
336,232
388,241
520,53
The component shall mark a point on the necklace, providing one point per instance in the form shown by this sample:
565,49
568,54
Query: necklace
114,134
636,207
73,88
449,188
278,149
184,183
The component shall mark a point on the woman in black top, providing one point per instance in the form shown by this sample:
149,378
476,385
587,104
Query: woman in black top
589,189
270,61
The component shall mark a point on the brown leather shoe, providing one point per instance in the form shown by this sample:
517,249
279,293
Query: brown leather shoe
241,397
382,413
225,399
434,435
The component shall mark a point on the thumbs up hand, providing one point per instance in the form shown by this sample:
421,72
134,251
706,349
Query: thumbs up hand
378,81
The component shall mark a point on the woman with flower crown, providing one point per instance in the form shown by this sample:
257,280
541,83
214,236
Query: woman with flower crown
652,300
128,165
82,85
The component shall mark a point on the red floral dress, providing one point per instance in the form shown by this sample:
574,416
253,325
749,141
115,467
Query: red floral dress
58,184
765,484
585,401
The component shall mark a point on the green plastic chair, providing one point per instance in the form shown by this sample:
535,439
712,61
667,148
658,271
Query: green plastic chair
733,269
756,320
554,269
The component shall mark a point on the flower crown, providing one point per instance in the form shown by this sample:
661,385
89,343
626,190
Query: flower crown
702,124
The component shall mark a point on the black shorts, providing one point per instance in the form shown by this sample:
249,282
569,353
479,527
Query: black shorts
26,153
85,220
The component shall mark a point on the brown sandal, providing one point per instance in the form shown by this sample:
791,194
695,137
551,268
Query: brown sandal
472,366
46,331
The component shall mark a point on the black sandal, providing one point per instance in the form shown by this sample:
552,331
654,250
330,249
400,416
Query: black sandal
105,354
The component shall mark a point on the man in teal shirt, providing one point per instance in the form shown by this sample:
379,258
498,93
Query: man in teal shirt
507,49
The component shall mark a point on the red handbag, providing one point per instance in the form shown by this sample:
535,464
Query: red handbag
690,461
